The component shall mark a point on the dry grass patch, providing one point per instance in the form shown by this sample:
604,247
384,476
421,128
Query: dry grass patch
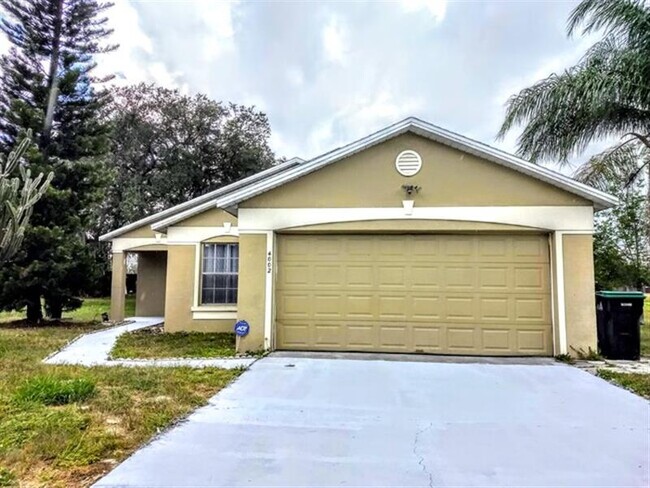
63,426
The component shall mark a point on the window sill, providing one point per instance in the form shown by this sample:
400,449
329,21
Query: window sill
214,312
230,307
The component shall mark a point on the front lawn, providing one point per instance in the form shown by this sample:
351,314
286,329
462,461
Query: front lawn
635,382
64,426
91,310
151,343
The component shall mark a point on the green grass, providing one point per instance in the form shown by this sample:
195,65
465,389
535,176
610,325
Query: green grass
635,382
90,311
147,344
85,435
50,390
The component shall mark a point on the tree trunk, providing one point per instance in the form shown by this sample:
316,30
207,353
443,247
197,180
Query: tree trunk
34,310
54,308
53,78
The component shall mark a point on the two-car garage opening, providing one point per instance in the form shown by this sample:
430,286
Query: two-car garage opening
445,294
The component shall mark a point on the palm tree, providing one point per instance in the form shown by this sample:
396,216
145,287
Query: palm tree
606,95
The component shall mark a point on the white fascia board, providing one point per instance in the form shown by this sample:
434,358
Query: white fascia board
601,199
567,219
162,225
208,198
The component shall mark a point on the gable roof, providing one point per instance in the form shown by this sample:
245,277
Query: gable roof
204,201
600,199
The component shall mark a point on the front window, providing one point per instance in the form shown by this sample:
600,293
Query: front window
219,275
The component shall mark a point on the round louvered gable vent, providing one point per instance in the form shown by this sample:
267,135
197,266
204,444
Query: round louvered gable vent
408,163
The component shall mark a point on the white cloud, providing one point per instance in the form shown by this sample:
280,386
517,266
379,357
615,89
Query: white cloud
135,59
334,39
218,19
360,117
295,76
436,8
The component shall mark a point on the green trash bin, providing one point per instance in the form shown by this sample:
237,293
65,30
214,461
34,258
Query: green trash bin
618,317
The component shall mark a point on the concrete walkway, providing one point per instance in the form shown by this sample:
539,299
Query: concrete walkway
305,422
93,349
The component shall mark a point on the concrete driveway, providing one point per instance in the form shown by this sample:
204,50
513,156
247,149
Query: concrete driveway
341,422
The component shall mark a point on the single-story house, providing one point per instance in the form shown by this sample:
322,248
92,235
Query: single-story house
411,239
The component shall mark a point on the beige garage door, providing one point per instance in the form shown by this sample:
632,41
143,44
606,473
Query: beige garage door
447,294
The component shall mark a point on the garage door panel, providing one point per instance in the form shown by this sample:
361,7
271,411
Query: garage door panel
426,308
530,278
495,309
328,275
329,335
532,340
532,309
453,294
424,276
361,336
360,276
295,275
494,278
425,249
327,306
497,340
393,307
360,307
394,337
525,248
391,277
460,278
295,335
295,305
460,308
428,339
462,340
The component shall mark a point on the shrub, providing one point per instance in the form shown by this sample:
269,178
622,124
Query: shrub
49,390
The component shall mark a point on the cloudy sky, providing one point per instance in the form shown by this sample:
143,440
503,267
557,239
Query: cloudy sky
327,73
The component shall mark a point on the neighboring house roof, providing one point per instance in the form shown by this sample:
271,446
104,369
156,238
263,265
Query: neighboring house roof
600,199
206,201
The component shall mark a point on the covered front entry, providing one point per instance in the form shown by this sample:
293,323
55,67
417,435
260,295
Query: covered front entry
446,294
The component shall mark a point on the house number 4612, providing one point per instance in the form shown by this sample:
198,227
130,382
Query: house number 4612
269,261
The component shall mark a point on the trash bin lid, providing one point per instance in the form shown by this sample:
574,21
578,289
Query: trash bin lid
621,294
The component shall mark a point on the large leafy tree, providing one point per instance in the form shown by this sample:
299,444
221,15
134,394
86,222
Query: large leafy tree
167,147
606,95
47,86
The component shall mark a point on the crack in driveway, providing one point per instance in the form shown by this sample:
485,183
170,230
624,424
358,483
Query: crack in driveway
421,457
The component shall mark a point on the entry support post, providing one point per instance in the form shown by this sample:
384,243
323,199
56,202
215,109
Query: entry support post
118,286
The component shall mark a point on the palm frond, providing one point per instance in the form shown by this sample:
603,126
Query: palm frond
615,168
623,18
605,94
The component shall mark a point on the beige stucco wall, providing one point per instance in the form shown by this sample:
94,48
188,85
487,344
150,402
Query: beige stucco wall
180,294
448,177
398,226
579,293
118,286
215,217
252,292
150,291
144,231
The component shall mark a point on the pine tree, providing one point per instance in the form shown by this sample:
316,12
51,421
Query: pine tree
47,86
